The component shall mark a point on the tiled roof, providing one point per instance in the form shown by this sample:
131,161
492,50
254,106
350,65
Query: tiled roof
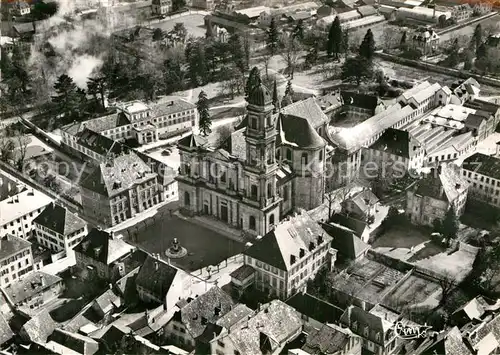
10,245
202,310
193,141
298,132
395,141
238,144
367,102
59,219
288,238
156,276
237,314
98,143
445,186
308,109
356,225
30,285
345,241
364,319
173,106
329,339
76,342
474,121
330,100
108,300
243,272
5,332
118,175
40,327
483,105
276,321
105,123
364,199
101,246
483,164
315,308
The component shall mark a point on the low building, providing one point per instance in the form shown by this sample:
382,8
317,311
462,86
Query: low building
266,332
344,17
395,149
33,291
59,229
431,197
119,189
63,342
159,282
376,327
483,175
489,110
426,39
330,339
361,205
349,245
102,255
107,304
359,228
364,284
21,8
161,7
19,204
314,312
16,259
285,258
203,4
422,15
188,325
38,329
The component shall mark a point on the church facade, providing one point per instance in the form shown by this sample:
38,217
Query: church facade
272,165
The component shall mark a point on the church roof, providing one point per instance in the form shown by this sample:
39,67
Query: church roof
260,96
297,131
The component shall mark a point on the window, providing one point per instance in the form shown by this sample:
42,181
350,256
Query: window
269,190
271,219
288,154
253,123
253,191
252,223
320,155
303,159
220,343
285,193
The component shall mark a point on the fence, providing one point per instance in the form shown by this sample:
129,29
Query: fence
462,74
466,23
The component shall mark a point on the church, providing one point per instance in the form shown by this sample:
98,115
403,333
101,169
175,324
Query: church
271,165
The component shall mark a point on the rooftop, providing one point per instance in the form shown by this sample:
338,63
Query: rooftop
135,106
30,285
329,339
396,142
11,245
206,308
445,185
289,237
483,164
273,325
156,276
315,308
234,316
102,246
40,327
74,341
345,241
27,201
59,219
118,175
5,332
173,106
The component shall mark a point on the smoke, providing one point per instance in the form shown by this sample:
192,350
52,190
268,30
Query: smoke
68,44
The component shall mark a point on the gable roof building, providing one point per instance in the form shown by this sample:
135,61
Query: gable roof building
333,340
155,280
38,328
346,241
6,333
63,342
267,331
288,245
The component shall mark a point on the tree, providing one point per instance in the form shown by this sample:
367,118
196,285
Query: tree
22,148
450,224
66,99
312,57
290,54
289,89
402,42
272,36
223,133
481,51
97,88
447,284
179,32
157,34
6,66
237,51
7,147
389,39
477,37
367,47
195,55
266,58
173,75
275,96
357,69
204,114
298,31
335,39
178,5
252,81
442,21
231,80
210,30
345,42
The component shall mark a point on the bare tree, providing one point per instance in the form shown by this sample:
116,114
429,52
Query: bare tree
7,146
223,133
338,196
389,37
21,150
290,54
266,58
447,284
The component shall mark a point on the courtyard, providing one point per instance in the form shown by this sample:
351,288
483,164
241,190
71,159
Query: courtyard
194,24
204,246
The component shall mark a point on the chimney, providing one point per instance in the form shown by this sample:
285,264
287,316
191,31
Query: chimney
110,286
216,311
259,305
156,265
457,186
42,280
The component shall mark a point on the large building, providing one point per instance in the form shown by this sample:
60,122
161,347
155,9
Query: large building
271,165
284,259
431,197
119,189
19,205
59,229
16,259
483,174
161,7
135,120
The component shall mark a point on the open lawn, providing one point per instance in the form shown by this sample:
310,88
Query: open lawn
412,292
194,24
402,236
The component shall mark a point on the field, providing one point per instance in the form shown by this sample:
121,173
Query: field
490,24
194,24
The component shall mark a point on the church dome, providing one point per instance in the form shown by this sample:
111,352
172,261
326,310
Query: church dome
260,96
